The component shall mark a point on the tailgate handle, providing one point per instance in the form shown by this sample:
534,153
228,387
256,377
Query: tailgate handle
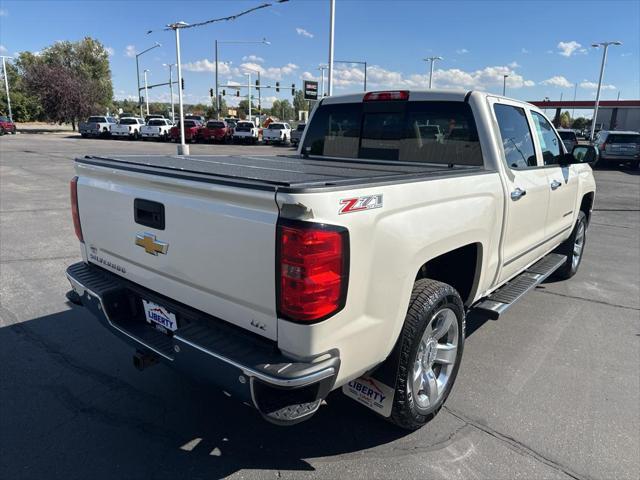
149,213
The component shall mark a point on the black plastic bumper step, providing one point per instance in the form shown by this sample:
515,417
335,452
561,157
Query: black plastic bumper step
512,291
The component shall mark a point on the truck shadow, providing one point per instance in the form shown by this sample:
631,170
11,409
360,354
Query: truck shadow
73,406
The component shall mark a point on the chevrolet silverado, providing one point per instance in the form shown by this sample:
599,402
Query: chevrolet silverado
350,265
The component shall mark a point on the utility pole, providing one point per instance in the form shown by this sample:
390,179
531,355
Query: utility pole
146,90
6,84
183,148
217,94
432,60
173,113
249,92
575,93
332,15
322,68
138,73
604,60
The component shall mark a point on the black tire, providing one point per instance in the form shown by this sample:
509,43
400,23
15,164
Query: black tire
570,267
427,299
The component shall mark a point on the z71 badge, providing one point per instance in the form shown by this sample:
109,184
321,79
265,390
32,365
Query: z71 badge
358,204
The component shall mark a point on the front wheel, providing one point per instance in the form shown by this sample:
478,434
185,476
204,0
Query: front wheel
429,351
573,248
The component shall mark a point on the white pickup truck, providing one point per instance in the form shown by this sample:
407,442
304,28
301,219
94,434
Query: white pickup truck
127,127
157,128
349,266
245,132
97,126
277,132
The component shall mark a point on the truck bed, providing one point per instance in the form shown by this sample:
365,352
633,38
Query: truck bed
283,173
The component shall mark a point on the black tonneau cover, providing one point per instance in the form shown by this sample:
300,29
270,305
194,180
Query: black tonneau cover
284,173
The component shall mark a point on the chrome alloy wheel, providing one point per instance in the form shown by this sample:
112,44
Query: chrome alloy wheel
578,246
435,359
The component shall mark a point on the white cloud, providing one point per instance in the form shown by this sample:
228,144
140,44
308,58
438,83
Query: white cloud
568,48
3,49
462,51
110,51
130,51
253,58
627,54
206,65
303,32
593,85
275,73
514,65
4,12
557,81
309,76
525,51
453,78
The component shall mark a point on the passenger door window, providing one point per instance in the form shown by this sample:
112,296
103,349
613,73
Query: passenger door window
516,136
549,142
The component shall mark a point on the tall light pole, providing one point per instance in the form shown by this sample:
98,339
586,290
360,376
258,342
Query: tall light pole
432,60
173,113
322,68
183,148
146,90
604,60
138,72
504,84
233,42
575,93
249,92
258,87
6,84
332,18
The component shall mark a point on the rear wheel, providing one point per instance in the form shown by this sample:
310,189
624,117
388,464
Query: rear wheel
429,351
573,248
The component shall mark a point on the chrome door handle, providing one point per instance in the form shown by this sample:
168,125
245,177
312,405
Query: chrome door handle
555,184
517,194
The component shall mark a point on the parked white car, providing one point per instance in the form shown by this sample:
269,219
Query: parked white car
128,127
351,266
277,132
245,132
97,126
156,128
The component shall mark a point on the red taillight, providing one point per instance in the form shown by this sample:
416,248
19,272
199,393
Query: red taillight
75,213
313,270
385,96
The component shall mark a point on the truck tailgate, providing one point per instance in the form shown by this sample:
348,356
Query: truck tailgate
220,241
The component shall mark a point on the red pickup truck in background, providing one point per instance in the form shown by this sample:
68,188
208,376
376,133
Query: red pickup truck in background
191,131
6,125
216,131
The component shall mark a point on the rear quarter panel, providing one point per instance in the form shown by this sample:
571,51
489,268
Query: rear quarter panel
417,222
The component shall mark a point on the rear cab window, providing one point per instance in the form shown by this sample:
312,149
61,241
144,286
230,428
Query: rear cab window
565,135
96,120
623,138
431,132
215,125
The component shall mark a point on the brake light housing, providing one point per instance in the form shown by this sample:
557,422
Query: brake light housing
312,270
386,96
75,213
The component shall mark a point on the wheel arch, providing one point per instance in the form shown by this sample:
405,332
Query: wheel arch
459,267
586,204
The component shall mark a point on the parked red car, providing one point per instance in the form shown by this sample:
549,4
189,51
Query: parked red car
215,130
7,126
191,131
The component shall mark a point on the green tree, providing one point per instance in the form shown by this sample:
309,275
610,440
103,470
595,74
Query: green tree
71,80
243,108
565,119
24,107
580,123
299,103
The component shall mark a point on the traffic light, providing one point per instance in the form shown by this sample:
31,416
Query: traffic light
293,89
258,83
224,93
211,92
237,93
278,87
182,83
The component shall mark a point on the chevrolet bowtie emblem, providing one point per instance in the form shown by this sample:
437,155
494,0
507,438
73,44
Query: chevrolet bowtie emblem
150,244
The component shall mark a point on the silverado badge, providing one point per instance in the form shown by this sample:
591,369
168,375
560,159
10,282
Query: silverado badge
150,244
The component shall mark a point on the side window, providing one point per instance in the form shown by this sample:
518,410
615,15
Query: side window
516,136
549,142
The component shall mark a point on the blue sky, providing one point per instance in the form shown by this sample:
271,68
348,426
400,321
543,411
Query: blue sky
543,46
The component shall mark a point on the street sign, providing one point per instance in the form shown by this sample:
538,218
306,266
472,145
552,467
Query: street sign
310,90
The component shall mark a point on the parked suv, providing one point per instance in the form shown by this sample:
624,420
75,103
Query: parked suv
568,137
7,126
617,147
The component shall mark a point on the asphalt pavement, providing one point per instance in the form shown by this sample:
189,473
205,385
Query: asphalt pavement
550,390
